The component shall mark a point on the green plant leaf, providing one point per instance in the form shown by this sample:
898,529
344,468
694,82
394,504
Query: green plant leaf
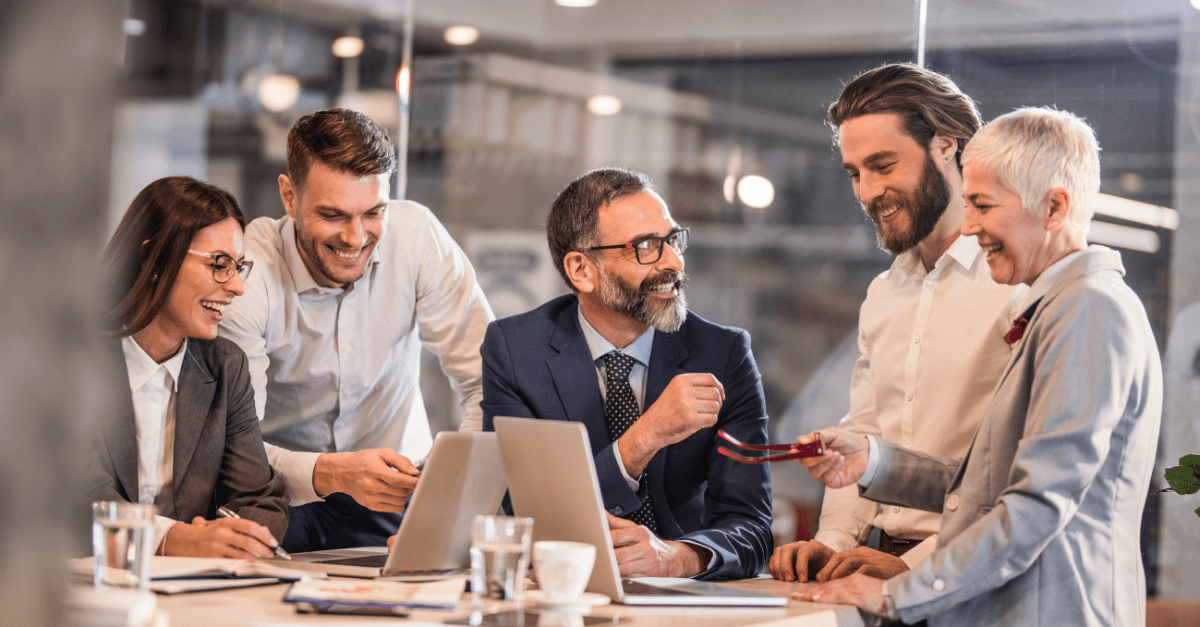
1183,480
1198,511
1191,461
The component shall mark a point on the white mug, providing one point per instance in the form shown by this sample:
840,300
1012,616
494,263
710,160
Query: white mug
563,569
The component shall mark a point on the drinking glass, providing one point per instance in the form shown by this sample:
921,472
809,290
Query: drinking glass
123,543
499,561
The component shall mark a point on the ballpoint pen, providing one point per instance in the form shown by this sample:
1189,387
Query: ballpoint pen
228,513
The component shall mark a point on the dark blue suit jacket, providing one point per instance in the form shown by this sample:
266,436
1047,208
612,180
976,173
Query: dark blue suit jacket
537,365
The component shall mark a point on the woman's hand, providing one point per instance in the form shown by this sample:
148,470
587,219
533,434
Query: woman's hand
845,458
224,537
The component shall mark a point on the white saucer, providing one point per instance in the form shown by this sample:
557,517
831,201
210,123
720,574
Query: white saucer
587,599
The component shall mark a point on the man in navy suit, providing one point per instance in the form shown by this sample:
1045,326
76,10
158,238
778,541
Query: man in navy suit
652,382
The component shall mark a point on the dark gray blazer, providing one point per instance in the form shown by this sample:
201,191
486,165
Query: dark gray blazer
1040,522
219,455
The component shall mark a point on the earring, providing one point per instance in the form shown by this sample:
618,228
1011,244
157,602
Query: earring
947,158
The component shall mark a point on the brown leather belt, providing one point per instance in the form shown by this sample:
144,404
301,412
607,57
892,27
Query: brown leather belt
895,546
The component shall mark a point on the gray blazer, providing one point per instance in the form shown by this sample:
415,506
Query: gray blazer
1041,520
219,455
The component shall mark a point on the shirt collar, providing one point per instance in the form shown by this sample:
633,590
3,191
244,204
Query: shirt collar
142,367
964,251
301,277
1041,285
638,349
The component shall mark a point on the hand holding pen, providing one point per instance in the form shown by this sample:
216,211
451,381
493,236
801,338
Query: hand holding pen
225,512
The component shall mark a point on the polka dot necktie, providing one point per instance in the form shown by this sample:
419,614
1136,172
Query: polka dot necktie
620,412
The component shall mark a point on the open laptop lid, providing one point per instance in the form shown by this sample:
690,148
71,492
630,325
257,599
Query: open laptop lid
552,479
462,478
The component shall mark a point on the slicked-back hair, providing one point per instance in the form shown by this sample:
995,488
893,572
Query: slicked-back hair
145,253
1035,149
571,224
343,139
927,102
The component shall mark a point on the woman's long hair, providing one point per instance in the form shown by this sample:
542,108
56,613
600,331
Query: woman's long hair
145,253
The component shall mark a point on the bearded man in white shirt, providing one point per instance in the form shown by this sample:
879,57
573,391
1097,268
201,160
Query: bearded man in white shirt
926,364
352,285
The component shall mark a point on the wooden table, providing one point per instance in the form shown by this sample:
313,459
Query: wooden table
263,607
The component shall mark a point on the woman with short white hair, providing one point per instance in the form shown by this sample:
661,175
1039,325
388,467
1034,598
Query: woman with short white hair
1041,519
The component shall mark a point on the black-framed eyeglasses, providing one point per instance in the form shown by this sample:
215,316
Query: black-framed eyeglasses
225,266
649,249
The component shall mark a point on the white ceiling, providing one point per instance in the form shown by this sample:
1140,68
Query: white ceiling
670,28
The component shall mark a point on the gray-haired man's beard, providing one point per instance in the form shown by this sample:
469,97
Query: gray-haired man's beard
924,205
663,314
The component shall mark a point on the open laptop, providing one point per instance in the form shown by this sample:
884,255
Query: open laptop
552,479
462,478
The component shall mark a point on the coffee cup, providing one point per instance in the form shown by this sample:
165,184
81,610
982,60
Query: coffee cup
563,569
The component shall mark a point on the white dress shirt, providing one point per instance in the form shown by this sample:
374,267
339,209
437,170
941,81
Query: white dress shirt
338,369
931,350
153,386
639,350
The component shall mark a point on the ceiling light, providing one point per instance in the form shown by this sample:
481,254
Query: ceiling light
1134,211
347,47
133,28
1143,240
756,191
604,105
1196,4
278,92
461,35
592,3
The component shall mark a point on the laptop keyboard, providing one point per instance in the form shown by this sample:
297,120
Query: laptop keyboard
638,588
367,561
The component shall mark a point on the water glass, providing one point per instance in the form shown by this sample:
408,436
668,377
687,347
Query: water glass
123,543
499,561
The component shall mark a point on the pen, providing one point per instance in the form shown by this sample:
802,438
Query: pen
225,512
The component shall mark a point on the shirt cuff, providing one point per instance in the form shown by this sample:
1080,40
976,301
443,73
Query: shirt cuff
162,525
712,556
872,463
633,483
297,469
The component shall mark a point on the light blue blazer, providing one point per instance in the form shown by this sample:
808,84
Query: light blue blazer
1041,520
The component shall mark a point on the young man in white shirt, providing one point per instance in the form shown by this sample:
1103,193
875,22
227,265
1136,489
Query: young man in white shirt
926,365
352,285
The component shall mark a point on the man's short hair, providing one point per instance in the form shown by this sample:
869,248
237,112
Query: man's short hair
927,102
1035,149
571,224
343,139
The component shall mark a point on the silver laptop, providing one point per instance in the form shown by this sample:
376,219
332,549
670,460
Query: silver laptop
462,478
552,479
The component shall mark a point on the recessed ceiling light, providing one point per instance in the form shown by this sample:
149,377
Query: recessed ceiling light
604,105
461,35
592,3
278,92
756,191
347,47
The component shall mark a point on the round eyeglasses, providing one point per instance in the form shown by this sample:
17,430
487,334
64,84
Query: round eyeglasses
224,266
649,249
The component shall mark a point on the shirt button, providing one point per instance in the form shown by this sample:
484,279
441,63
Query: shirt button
616,511
916,339
939,585
908,396
952,502
929,285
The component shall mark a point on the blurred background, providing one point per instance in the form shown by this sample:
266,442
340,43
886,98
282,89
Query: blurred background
496,104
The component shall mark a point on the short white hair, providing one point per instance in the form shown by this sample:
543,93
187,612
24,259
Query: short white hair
1035,149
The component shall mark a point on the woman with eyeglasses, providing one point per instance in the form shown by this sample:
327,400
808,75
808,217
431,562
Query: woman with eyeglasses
187,439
